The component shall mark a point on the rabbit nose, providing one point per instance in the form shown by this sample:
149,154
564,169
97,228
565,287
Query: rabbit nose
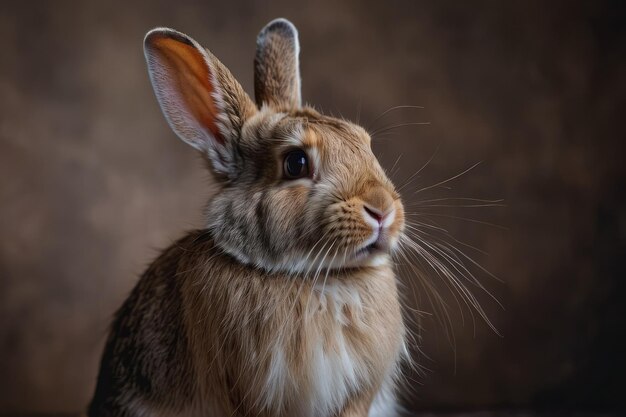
378,205
380,217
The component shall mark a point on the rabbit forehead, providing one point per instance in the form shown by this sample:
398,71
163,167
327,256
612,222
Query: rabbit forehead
305,127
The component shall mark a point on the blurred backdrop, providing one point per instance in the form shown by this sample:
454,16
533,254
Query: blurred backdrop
93,182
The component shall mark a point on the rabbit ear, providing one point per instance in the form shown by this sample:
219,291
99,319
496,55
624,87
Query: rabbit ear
202,102
277,66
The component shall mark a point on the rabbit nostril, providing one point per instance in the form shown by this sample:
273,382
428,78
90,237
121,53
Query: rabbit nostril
374,214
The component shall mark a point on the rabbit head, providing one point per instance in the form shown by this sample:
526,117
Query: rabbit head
297,190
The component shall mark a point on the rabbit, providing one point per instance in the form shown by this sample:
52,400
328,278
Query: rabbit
286,302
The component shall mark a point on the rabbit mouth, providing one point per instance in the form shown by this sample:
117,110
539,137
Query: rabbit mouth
371,249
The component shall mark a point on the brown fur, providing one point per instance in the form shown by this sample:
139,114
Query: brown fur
276,71
283,305
243,314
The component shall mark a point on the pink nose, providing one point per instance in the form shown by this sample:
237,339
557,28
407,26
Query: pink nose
376,214
377,205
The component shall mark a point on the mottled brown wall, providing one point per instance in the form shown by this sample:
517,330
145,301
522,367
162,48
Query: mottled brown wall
92,182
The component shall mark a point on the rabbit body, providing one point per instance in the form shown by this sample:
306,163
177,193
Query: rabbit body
202,334
285,304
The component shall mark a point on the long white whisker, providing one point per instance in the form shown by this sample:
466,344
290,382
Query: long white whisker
383,114
442,272
429,289
497,226
478,200
460,268
386,129
412,177
449,179
418,228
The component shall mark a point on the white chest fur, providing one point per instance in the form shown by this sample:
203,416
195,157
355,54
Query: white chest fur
333,367
336,369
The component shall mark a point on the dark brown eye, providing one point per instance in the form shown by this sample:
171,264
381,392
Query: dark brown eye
296,164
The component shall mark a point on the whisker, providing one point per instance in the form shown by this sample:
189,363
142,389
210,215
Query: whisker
441,306
386,129
383,114
410,179
315,278
391,171
449,179
417,225
463,272
497,226
479,200
439,268
458,205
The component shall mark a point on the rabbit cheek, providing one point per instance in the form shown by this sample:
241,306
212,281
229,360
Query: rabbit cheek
397,227
281,212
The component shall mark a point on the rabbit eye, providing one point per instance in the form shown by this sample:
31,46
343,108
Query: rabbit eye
296,164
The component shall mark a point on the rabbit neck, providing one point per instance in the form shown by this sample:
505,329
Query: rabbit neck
291,346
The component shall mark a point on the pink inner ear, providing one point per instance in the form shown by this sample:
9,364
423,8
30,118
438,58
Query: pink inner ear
192,75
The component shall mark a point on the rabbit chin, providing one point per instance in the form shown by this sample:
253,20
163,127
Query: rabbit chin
374,252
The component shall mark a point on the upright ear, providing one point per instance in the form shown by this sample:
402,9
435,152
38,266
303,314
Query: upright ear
201,100
277,66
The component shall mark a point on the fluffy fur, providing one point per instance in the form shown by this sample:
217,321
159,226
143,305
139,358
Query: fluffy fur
286,303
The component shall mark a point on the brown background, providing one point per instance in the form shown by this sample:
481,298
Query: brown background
92,182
